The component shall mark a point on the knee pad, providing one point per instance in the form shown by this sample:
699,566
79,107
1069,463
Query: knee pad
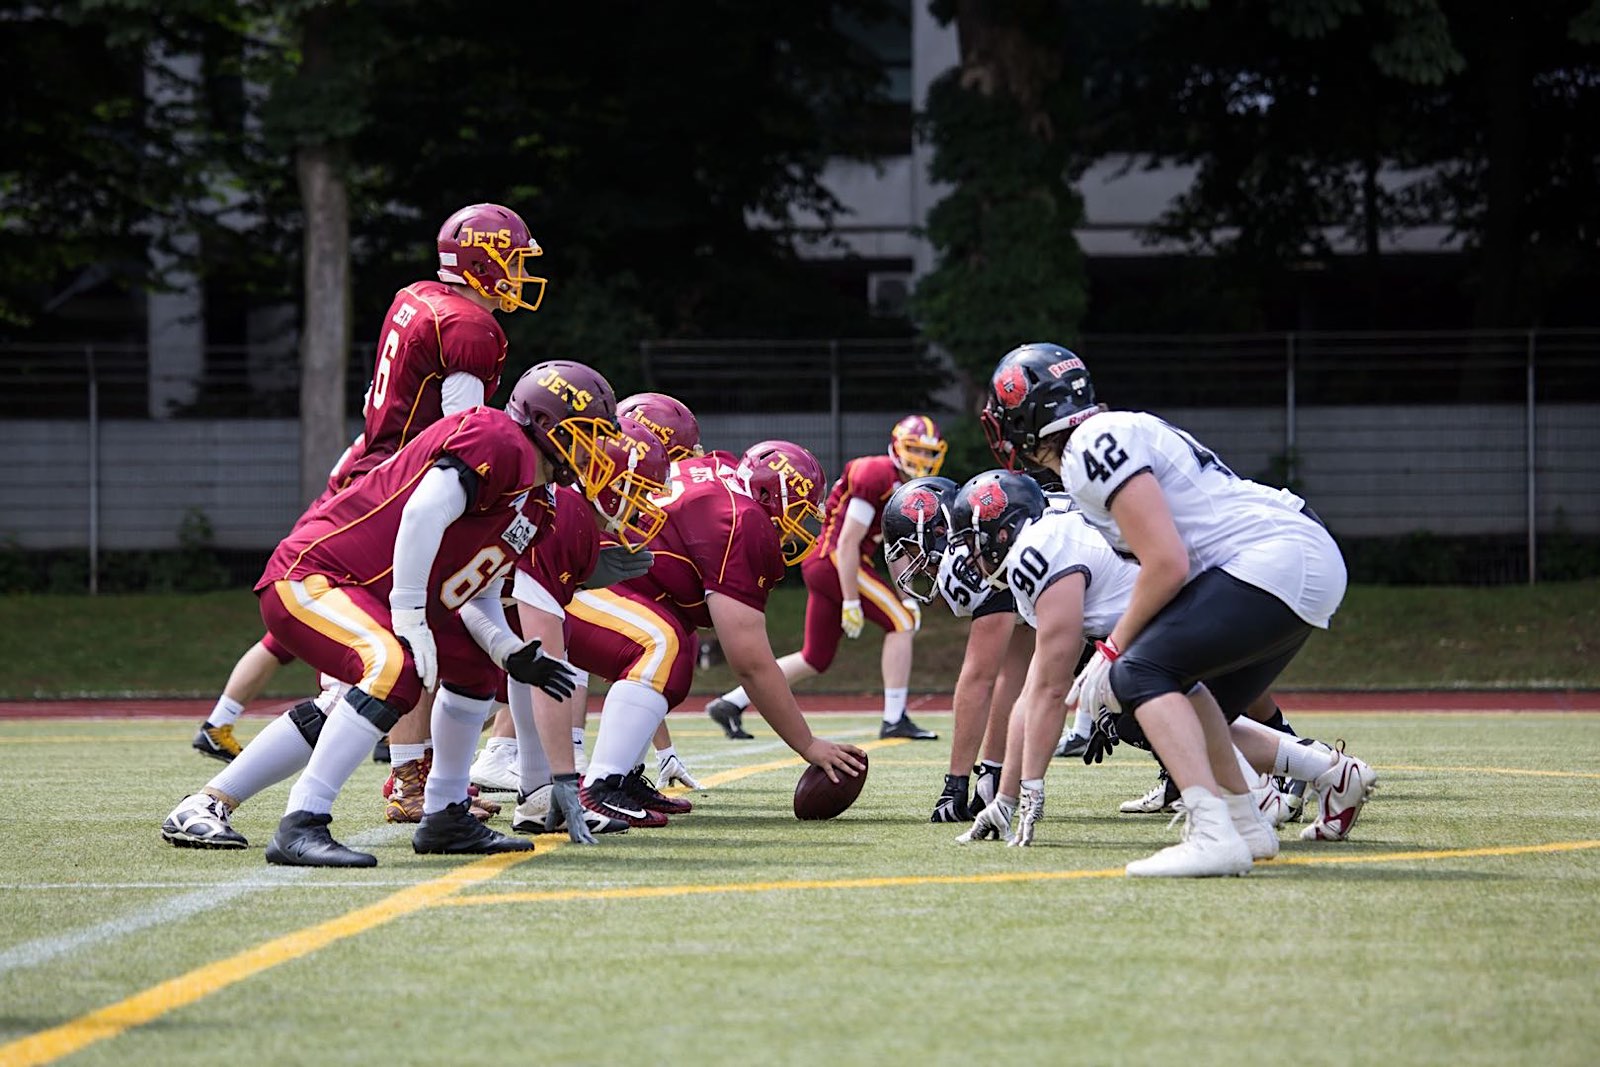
375,711
463,708
308,719
447,687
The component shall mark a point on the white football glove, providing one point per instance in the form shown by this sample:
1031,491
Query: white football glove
915,608
851,620
411,626
671,770
1091,689
993,822
1029,812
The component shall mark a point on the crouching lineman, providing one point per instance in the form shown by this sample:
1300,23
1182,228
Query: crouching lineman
559,569
544,774
1234,576
917,549
361,589
726,542
843,590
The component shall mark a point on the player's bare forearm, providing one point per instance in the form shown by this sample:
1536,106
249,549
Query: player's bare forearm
551,718
986,645
769,690
847,559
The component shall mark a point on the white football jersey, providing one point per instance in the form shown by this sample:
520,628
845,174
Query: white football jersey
1060,543
964,589
1253,532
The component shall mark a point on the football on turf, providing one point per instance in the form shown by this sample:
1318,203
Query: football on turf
815,797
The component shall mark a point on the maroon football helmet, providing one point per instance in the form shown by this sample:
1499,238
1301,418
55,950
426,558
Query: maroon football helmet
568,411
786,480
642,469
668,418
486,247
917,447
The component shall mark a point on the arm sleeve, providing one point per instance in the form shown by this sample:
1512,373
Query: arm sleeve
461,391
485,619
438,500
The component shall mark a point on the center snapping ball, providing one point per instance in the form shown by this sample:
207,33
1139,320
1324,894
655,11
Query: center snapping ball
815,797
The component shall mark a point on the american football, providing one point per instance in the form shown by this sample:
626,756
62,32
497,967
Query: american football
816,797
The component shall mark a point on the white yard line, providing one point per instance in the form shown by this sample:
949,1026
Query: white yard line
44,949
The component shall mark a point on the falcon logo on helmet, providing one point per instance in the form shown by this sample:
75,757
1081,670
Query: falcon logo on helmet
916,530
987,501
486,248
1010,385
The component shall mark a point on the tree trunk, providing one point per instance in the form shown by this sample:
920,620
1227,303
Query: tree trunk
325,332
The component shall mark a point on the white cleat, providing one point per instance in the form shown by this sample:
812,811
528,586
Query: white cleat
201,821
1256,829
1210,847
1273,804
1152,803
495,770
1342,791
529,817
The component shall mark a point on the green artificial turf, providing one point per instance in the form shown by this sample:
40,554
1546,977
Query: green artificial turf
1384,636
710,941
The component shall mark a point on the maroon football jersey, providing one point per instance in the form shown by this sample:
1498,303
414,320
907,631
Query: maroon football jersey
716,540
430,333
350,539
565,557
869,478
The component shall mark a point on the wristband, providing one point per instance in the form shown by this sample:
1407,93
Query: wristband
1108,650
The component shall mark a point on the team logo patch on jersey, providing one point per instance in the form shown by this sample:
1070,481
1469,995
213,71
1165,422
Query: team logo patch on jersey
987,501
519,535
1011,386
920,506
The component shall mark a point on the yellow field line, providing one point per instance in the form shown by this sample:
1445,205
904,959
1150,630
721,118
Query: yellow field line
903,881
76,1035
179,992
1488,770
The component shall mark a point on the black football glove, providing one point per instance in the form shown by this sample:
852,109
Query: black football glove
952,803
616,564
554,676
1102,738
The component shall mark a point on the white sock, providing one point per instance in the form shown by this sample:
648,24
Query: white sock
1302,759
894,705
399,754
1035,784
496,743
1197,796
1082,722
277,754
533,763
577,736
663,754
990,765
457,722
738,698
631,714
345,743
226,713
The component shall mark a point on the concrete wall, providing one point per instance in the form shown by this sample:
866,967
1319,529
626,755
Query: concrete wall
1368,471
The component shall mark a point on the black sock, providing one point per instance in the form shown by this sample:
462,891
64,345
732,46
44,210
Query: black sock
1279,723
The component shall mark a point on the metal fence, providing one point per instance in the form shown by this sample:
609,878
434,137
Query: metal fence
1481,437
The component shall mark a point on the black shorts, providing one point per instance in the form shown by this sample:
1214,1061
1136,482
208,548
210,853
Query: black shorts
1219,630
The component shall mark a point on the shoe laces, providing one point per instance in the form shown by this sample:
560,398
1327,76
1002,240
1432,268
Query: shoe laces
1180,813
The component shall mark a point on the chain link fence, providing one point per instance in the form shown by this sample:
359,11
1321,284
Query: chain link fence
1433,456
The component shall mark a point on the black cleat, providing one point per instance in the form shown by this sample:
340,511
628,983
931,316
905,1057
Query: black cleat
610,798
1071,745
303,840
637,786
729,716
906,728
217,742
952,803
457,832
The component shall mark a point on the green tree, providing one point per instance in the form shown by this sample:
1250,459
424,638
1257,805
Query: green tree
1003,125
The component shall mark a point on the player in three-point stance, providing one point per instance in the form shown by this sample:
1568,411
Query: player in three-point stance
843,589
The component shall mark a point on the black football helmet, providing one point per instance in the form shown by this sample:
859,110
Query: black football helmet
1035,390
987,514
915,529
